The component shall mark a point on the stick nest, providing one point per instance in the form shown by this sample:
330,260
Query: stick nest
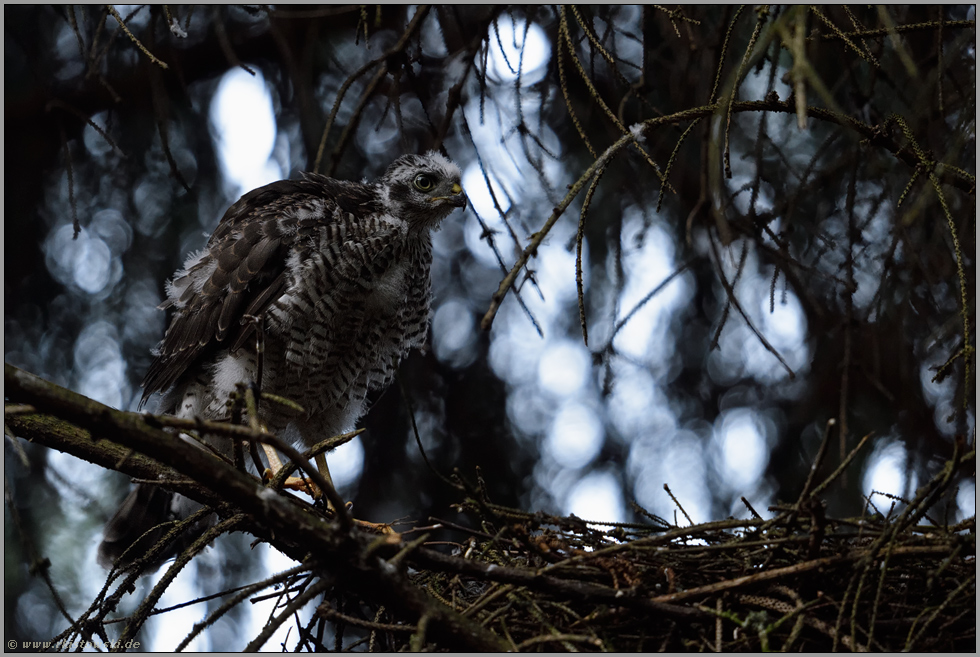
797,581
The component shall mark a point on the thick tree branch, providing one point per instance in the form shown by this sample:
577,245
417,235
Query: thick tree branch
357,556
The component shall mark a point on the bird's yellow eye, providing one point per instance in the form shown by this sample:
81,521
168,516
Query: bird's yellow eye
424,182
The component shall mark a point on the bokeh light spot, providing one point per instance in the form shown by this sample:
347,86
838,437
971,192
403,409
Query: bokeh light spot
886,473
597,496
454,334
346,462
575,437
478,194
743,451
245,130
564,368
505,52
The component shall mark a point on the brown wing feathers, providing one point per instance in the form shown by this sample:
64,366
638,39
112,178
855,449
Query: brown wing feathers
247,254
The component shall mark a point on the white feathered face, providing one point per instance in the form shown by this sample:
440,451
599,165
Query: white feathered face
422,189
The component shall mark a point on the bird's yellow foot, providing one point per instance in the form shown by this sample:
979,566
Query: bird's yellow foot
306,486
291,483
295,483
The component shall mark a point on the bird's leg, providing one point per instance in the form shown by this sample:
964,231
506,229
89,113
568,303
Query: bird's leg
291,483
307,486
321,465
376,527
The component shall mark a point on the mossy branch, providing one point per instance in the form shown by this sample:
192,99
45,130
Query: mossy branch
297,531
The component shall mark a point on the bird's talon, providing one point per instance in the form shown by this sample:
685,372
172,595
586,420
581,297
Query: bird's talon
302,485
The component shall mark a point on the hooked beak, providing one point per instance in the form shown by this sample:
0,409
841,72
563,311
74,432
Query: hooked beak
456,197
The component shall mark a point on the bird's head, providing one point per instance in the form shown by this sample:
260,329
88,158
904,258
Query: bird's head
422,189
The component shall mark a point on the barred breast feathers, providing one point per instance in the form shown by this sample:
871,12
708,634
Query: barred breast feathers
243,268
301,252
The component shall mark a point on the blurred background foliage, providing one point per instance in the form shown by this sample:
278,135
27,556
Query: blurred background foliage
747,272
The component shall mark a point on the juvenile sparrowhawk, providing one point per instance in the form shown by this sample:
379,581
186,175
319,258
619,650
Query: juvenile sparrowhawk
337,273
